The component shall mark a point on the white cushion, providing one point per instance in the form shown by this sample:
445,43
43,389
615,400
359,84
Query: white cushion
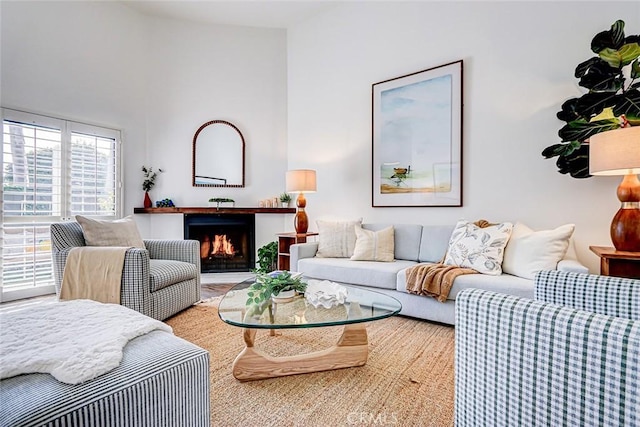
119,232
373,245
336,239
531,251
481,249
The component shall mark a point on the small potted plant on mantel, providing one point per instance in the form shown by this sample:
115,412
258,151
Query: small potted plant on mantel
221,202
285,199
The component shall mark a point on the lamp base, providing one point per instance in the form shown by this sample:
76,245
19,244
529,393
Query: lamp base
301,222
625,229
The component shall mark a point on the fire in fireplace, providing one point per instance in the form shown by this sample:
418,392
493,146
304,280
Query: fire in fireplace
227,241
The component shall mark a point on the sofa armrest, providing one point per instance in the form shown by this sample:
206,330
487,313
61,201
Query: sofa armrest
300,251
525,362
572,265
135,291
608,295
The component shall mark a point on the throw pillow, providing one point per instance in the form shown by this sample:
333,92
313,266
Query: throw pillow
373,245
336,239
481,249
120,232
531,251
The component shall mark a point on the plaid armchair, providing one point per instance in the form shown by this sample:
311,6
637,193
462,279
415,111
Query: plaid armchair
570,357
158,281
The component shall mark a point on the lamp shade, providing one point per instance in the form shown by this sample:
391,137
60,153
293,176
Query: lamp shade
301,181
616,152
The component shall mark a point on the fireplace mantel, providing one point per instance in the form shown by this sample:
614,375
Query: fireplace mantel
206,210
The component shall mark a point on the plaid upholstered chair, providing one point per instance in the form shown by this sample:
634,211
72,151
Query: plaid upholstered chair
570,357
158,281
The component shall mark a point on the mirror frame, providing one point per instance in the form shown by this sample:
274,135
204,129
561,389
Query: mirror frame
193,158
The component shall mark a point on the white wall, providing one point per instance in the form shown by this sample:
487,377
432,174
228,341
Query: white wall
519,60
157,80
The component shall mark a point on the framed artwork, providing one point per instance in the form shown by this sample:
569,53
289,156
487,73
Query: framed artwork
417,139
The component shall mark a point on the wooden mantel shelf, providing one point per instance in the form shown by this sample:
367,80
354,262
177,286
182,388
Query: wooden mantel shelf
206,210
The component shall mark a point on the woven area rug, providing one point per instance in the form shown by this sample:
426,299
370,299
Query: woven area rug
407,381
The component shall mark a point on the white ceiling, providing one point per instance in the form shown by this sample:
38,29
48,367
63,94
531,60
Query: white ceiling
260,13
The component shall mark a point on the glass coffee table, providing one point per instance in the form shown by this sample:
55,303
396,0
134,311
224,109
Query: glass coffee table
351,350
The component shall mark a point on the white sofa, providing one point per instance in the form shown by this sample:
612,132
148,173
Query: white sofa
413,244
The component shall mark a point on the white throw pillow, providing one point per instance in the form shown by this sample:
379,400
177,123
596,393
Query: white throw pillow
373,245
531,251
336,239
481,249
119,232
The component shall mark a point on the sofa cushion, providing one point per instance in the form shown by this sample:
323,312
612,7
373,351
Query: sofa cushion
504,284
367,273
373,245
434,242
406,238
529,251
479,248
336,239
163,273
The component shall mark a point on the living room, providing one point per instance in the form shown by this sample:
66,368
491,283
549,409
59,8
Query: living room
300,93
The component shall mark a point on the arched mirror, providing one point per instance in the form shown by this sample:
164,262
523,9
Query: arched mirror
218,155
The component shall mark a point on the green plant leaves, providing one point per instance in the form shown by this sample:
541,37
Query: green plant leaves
628,103
610,39
600,76
580,130
619,58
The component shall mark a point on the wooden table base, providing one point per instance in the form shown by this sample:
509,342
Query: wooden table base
351,350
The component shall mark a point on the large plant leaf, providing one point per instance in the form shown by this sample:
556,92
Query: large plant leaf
621,57
610,39
602,77
560,149
582,67
627,103
579,130
635,69
593,103
568,112
575,164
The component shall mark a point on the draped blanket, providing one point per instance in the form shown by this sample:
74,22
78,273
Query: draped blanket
434,280
93,272
74,341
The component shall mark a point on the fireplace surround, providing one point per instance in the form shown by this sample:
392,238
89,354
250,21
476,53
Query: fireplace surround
227,241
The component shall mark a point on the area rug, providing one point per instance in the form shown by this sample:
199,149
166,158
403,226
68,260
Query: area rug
407,381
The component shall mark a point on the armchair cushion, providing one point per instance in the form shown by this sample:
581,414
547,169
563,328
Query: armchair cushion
165,273
119,232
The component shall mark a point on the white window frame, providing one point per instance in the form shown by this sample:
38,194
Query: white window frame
67,127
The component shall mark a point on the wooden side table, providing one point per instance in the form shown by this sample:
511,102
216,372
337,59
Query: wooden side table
285,240
617,263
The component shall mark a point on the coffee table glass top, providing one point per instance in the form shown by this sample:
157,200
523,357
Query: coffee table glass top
361,305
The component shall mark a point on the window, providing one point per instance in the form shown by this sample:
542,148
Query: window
52,169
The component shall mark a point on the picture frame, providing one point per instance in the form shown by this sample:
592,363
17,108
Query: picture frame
417,139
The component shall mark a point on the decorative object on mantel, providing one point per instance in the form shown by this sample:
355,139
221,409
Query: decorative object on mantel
148,183
301,181
165,203
611,102
221,202
617,152
285,199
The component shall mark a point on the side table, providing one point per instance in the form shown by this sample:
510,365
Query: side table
617,263
285,240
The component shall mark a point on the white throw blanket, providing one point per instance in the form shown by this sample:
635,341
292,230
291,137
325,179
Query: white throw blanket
74,341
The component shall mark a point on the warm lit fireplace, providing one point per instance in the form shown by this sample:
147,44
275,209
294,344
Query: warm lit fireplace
227,241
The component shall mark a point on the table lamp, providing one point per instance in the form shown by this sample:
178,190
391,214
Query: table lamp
301,181
617,152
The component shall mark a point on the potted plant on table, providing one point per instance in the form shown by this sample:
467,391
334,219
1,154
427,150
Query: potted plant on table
285,199
279,285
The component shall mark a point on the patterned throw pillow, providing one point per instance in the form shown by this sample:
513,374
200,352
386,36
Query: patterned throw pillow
120,232
374,245
336,239
481,249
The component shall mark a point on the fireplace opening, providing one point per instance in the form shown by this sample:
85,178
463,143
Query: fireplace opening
227,242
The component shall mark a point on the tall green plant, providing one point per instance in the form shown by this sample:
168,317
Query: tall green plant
612,100
267,258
